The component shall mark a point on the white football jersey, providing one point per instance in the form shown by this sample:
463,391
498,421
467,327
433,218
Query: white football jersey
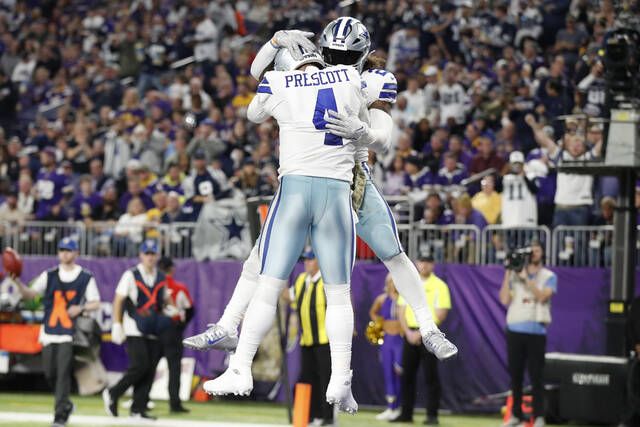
452,101
299,101
379,85
519,206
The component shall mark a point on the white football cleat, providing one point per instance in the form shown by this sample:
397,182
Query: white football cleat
232,381
215,337
437,344
388,414
339,393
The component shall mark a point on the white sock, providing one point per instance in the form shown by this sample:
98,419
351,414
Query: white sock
258,321
244,290
339,326
409,285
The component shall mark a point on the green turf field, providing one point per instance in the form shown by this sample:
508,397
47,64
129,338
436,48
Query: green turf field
220,412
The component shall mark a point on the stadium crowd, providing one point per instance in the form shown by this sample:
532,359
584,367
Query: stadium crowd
103,119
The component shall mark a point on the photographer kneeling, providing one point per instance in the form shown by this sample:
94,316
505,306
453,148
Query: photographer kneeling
526,291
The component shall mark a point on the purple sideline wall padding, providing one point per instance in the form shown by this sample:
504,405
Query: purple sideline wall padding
476,323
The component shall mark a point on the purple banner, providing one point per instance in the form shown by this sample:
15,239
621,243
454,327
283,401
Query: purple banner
476,323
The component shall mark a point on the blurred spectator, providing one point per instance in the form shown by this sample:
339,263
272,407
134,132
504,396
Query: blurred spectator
430,93
435,211
451,98
591,91
135,190
573,197
457,148
486,158
128,232
416,176
607,208
249,182
206,37
415,101
466,214
86,203
404,46
206,140
49,186
26,199
488,201
518,195
173,212
435,150
9,210
109,210
172,181
530,21
570,40
202,186
97,176
394,178
452,173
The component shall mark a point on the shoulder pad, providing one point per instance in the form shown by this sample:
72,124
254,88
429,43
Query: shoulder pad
380,85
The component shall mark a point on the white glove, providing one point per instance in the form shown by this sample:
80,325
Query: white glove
117,333
293,40
347,126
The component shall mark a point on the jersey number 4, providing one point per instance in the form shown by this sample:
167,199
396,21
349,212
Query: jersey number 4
326,100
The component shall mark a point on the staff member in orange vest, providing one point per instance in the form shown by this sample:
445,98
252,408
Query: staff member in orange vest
172,337
140,299
68,291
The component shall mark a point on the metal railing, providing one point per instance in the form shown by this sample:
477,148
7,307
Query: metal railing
446,243
498,240
578,246
582,246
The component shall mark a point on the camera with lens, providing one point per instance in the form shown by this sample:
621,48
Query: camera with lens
516,260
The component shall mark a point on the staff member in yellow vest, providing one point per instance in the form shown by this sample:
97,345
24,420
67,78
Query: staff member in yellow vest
68,291
413,352
141,297
307,296
527,294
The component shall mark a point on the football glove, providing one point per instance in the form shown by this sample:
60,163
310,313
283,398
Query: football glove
292,40
347,126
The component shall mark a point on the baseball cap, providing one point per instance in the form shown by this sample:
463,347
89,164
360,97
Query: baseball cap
208,122
426,258
516,157
308,253
134,164
149,246
199,154
68,244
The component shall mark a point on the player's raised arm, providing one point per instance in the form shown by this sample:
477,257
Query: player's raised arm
291,40
257,111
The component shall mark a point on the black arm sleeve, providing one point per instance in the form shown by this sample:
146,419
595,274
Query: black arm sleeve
531,184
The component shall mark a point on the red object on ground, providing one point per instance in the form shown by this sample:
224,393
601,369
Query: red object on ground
527,409
20,338
11,261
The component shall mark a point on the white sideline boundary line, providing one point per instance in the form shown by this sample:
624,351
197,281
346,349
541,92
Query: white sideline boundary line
94,420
